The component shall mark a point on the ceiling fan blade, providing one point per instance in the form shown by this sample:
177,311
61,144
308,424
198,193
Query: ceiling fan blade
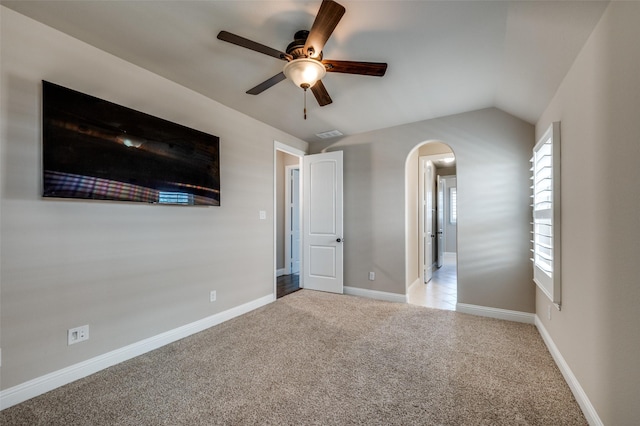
249,44
321,94
266,84
328,17
376,69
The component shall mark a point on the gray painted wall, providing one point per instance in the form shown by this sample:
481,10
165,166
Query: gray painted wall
598,104
494,214
447,171
433,148
129,270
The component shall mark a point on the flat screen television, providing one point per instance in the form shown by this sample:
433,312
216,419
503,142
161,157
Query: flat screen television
95,149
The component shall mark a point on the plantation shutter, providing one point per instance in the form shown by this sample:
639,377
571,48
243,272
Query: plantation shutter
545,177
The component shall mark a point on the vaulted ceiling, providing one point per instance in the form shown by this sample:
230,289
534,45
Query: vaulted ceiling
445,57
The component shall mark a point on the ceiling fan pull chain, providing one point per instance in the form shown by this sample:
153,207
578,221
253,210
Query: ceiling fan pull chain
305,103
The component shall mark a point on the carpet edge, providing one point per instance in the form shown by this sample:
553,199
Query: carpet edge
375,294
503,314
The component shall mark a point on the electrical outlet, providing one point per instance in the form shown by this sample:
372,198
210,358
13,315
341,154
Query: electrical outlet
263,215
78,334
549,312
212,296
372,276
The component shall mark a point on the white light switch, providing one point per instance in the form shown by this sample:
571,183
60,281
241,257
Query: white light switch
263,215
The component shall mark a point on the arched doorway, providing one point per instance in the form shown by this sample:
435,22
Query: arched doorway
432,226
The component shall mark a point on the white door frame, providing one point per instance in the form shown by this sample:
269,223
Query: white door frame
278,146
288,191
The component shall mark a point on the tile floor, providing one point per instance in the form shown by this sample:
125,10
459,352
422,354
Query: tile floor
441,292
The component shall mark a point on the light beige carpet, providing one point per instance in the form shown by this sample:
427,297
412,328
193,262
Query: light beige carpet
324,359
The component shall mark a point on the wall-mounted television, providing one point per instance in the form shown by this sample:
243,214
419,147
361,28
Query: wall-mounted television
95,149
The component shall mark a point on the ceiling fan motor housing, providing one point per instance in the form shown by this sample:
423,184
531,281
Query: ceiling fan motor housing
296,47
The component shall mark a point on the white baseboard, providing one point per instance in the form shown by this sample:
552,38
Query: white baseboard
281,272
375,294
504,314
587,408
40,385
413,284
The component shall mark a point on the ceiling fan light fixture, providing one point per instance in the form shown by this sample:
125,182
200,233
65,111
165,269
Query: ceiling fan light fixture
304,72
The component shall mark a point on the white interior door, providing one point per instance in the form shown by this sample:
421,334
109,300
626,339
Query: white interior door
440,221
426,218
322,222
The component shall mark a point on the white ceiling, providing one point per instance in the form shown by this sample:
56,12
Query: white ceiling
445,57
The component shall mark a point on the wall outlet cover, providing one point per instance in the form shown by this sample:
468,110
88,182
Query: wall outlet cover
77,334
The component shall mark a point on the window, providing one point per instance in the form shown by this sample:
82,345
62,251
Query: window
453,205
545,177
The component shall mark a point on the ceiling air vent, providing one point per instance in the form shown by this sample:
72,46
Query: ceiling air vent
329,134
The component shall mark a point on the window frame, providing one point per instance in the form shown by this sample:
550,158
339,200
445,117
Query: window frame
545,224
453,205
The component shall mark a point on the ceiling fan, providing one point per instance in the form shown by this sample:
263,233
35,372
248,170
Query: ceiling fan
305,65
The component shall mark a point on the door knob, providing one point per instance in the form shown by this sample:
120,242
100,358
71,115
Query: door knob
339,240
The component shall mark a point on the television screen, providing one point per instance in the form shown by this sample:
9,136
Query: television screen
95,149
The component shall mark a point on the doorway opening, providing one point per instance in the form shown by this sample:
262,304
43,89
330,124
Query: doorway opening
313,260
431,172
287,219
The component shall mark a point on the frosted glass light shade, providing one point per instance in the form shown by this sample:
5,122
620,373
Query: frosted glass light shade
304,71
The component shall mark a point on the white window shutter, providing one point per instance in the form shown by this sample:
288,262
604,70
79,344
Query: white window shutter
545,178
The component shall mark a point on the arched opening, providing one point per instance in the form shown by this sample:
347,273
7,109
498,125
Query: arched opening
431,226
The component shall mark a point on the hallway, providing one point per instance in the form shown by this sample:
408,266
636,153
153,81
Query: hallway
442,291
287,284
